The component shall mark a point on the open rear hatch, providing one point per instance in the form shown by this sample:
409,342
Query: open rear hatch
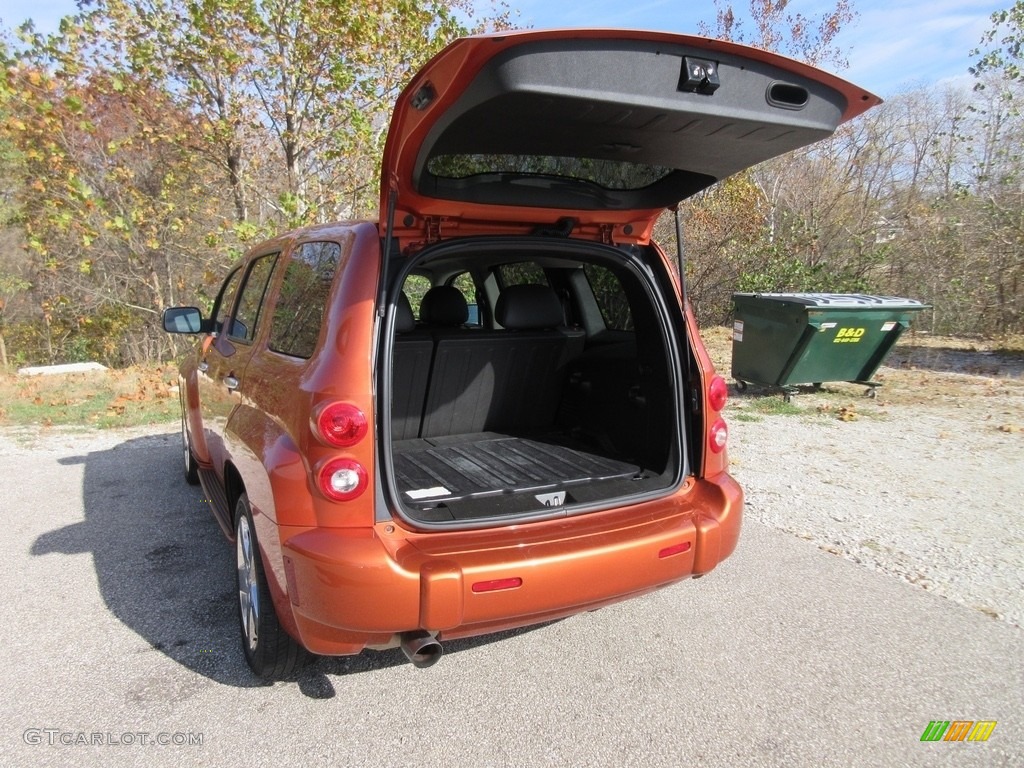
554,153
608,127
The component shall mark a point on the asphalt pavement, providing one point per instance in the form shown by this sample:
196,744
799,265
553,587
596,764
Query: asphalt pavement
118,626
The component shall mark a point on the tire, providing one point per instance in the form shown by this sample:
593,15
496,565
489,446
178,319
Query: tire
191,465
270,651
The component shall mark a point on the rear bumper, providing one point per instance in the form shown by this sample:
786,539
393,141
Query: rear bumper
351,589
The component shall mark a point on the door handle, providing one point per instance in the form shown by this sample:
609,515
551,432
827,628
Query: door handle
231,382
203,366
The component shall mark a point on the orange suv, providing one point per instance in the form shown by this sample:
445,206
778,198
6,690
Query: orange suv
492,408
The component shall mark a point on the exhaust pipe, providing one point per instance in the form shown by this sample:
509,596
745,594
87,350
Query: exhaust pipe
420,648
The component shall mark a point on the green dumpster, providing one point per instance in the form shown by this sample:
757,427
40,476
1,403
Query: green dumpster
786,339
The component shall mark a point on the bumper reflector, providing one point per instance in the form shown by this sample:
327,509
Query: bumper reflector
675,549
497,584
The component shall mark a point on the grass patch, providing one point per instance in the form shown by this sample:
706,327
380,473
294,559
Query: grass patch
744,416
1011,345
772,405
114,398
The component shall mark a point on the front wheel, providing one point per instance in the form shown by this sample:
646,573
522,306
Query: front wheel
269,650
191,465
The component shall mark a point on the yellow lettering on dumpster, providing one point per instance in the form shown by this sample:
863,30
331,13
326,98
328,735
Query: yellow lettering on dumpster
848,335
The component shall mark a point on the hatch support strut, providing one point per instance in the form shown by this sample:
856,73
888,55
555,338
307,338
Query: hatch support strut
681,258
389,239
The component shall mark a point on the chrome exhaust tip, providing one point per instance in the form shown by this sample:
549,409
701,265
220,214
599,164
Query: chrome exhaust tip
421,648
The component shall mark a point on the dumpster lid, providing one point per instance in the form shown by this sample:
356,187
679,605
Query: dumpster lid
837,300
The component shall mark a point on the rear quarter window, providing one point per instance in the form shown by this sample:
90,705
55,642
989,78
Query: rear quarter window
303,300
521,273
611,298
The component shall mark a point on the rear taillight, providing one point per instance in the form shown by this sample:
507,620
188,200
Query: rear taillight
718,436
718,393
341,424
342,479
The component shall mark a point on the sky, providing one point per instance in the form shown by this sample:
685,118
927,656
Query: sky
894,45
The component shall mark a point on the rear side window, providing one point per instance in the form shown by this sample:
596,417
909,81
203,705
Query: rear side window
415,288
243,325
521,273
464,283
611,298
300,307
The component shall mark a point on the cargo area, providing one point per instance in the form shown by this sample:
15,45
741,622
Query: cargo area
516,398
478,475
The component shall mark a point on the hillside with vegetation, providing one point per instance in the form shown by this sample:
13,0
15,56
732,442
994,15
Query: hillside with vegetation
146,144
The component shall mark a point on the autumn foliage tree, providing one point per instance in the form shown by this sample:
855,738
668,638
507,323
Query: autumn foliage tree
159,137
768,228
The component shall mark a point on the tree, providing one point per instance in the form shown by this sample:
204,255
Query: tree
808,39
159,137
768,228
295,94
1002,46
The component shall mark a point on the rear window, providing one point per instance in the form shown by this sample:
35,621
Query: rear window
608,174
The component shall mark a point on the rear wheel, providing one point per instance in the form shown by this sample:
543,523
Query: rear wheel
269,650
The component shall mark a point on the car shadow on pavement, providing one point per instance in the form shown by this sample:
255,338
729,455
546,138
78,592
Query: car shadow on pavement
166,571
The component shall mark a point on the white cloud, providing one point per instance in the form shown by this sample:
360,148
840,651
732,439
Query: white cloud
894,45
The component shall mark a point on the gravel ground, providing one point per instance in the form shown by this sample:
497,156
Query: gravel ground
925,483
931,493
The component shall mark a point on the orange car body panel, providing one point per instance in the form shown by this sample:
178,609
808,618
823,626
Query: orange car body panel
395,579
342,582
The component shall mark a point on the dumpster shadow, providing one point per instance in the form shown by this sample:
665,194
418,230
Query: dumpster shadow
166,571
950,360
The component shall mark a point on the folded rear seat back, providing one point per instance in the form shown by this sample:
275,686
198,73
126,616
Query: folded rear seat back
507,381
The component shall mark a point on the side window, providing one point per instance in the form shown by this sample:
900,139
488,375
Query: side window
611,298
243,325
300,308
521,273
415,287
226,298
464,282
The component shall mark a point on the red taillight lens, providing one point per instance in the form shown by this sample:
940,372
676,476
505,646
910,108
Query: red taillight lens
718,436
718,393
342,479
341,424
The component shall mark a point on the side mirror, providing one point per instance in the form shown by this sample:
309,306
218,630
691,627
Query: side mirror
183,320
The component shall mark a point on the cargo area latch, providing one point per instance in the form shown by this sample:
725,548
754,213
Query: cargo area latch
699,76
